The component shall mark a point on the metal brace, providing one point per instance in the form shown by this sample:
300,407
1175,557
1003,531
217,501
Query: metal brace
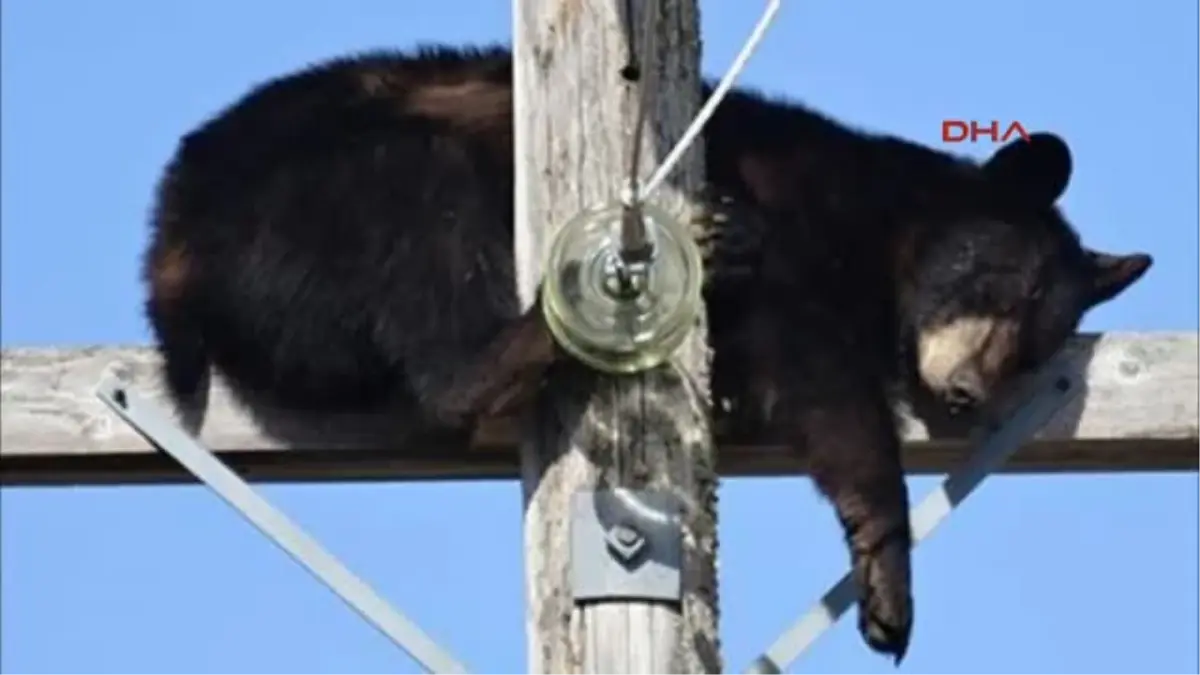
626,544
157,427
1051,389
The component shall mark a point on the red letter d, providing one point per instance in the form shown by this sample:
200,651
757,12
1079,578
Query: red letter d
948,125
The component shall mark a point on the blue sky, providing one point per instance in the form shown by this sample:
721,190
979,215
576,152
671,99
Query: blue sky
1090,574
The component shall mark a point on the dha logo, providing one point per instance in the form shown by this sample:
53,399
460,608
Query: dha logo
958,131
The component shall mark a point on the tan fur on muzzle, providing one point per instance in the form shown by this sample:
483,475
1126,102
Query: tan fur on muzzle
982,344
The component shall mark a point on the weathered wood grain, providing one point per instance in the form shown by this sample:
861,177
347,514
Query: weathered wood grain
1139,414
575,119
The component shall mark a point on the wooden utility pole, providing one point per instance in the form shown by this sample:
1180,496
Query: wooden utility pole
575,113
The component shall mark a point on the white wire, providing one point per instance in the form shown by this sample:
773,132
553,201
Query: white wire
735,69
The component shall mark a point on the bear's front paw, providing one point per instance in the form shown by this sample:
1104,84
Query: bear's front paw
885,607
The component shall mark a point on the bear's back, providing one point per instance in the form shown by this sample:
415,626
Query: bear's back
348,220
343,228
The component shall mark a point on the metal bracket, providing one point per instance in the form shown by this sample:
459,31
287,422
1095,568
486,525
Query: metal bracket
158,428
1049,390
626,544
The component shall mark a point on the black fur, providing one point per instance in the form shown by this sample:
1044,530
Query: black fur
340,240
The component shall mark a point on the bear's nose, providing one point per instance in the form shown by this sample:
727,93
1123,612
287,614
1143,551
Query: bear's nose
960,399
964,391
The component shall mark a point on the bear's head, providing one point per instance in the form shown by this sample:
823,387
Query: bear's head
1002,281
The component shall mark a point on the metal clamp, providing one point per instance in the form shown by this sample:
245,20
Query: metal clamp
626,544
157,427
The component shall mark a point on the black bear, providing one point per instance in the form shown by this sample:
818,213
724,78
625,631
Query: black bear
339,239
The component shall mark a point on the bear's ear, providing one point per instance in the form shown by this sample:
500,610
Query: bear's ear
1036,168
1112,274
